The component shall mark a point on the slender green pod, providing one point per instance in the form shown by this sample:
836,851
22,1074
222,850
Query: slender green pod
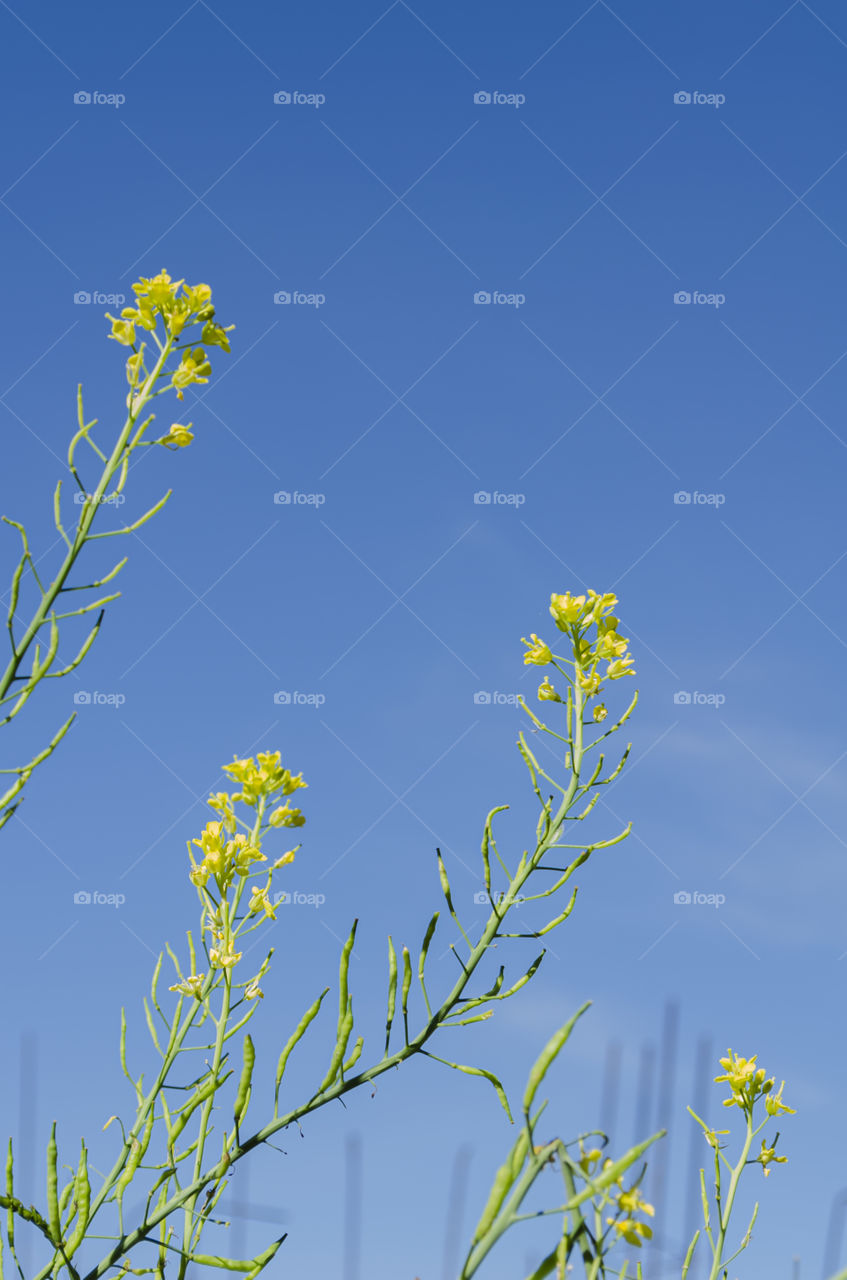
82,1195
296,1036
342,975
548,1054
392,991
242,1097
53,1187
404,990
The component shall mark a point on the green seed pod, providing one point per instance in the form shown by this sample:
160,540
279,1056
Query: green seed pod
550,1051
242,1098
293,1039
392,990
407,980
53,1187
136,1155
82,1195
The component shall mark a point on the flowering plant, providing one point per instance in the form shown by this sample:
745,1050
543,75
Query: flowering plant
233,863
164,309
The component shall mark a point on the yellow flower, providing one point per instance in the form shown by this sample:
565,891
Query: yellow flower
135,367
214,335
538,653
774,1104
611,645
224,957
566,609
197,296
712,1135
158,291
588,681
620,667
633,1232
285,816
123,331
285,859
599,713
589,1159
291,784
179,435
546,692
191,986
600,604
253,990
194,367
261,902
221,801
767,1156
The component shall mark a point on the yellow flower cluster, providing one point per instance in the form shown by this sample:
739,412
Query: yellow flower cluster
630,1202
263,777
749,1083
574,615
223,858
160,296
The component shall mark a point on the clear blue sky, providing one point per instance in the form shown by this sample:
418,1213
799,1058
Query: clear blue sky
590,397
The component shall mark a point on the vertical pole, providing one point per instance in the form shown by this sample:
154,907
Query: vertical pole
456,1197
353,1180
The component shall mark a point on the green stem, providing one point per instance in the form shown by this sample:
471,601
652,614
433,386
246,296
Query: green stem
86,519
726,1211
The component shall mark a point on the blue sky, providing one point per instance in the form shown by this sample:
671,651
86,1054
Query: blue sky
631,156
